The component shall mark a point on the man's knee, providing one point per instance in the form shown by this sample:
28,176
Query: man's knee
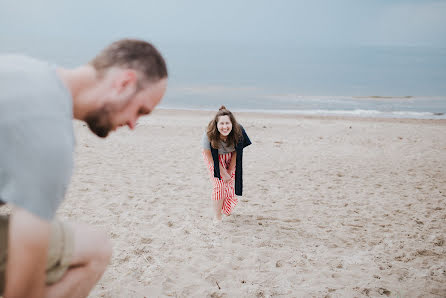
93,249
103,249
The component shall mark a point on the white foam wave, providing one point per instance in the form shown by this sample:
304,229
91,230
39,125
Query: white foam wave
357,113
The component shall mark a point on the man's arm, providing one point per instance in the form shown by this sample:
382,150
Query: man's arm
27,255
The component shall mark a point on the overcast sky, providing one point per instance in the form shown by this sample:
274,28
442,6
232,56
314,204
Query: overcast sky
306,47
294,22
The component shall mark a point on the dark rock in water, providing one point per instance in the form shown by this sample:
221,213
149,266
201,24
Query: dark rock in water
438,114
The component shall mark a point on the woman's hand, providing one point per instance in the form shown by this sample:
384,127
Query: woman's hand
226,177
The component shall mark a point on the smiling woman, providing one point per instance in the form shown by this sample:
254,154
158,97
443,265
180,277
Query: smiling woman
223,144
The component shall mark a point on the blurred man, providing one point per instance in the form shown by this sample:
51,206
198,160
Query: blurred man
39,255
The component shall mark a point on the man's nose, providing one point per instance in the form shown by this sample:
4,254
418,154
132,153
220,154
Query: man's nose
131,123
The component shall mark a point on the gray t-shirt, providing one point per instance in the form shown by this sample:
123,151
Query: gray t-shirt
223,148
36,135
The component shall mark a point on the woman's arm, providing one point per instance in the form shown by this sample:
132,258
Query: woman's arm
208,155
224,173
233,162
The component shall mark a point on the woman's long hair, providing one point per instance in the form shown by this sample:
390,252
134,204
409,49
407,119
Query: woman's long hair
214,135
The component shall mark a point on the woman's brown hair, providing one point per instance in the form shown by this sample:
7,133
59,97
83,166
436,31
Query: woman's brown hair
214,135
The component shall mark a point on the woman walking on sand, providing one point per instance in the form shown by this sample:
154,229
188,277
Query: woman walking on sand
223,144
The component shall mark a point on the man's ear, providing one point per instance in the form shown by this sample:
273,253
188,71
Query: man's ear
126,81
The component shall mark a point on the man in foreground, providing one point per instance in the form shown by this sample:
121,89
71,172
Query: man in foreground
39,255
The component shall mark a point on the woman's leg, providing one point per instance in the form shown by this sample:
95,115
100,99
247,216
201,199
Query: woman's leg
217,208
216,196
230,199
228,192
218,193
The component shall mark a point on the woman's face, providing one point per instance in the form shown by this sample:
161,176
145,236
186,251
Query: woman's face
224,125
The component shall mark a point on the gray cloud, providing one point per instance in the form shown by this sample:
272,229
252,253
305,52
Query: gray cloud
326,22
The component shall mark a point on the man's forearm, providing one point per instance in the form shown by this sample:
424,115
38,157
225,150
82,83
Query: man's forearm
27,255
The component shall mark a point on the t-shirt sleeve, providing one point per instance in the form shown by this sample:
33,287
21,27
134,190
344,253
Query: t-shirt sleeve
36,163
205,142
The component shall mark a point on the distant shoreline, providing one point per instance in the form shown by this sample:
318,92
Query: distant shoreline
266,115
372,114
385,97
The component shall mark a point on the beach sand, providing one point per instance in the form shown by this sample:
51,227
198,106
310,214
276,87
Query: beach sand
332,207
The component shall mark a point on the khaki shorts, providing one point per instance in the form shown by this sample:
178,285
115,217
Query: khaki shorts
60,250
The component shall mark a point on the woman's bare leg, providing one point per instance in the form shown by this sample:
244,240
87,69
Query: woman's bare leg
217,208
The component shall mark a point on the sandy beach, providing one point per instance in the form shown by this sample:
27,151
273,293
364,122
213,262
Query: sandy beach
332,207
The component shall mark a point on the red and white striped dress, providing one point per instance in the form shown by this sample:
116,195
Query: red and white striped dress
223,190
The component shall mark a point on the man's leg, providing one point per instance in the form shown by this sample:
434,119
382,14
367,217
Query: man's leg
91,255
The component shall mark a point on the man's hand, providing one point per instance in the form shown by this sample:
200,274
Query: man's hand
27,254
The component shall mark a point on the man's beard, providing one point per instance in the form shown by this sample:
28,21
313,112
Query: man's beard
99,121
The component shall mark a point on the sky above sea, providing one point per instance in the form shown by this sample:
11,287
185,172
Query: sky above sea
318,55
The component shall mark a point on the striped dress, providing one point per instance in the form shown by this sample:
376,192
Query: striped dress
223,190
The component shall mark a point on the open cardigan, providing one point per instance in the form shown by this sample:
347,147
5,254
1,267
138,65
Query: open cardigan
243,142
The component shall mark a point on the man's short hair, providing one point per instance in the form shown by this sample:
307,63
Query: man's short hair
134,54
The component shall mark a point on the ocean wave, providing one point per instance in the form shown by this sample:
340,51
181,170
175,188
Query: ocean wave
355,113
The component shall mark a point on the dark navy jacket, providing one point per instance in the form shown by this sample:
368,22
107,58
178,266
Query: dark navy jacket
245,141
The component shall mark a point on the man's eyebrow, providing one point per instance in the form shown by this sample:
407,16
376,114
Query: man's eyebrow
145,111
